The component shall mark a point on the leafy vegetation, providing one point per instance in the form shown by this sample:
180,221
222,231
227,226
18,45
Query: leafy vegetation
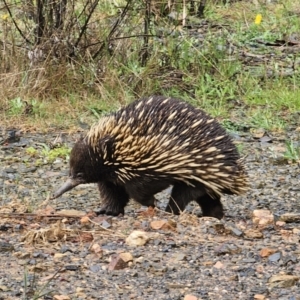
292,152
50,154
89,57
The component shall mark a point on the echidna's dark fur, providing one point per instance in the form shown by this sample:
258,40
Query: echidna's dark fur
151,144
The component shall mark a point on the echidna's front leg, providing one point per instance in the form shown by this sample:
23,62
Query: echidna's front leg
143,193
114,199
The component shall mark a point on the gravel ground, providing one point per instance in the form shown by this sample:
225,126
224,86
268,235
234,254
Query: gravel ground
44,250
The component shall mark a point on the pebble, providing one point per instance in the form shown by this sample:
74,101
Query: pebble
71,267
275,257
6,247
290,218
95,268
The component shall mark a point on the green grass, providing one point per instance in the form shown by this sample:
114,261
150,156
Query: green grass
207,71
292,152
32,290
16,106
49,154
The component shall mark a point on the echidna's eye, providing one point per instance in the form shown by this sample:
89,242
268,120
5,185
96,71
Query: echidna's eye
79,175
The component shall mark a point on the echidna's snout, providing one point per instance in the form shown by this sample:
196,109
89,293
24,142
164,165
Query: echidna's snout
68,185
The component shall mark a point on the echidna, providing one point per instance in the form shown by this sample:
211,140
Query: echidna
151,144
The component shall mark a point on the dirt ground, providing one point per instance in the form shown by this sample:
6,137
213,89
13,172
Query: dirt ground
60,250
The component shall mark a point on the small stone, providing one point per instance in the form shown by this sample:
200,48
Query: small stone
65,249
178,257
32,262
286,234
59,255
265,252
137,238
262,217
80,293
253,234
219,265
28,170
275,257
10,170
283,281
4,288
139,260
6,247
22,255
227,248
296,231
19,227
280,223
105,224
260,269
95,268
116,263
71,267
249,260
126,257
190,297
235,231
258,133
96,249
4,227
22,262
233,278
259,297
290,218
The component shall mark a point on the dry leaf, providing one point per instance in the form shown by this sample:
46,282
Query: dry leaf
61,297
85,220
265,252
156,225
163,224
150,212
85,237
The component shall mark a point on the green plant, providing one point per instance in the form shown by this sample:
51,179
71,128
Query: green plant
31,290
38,108
267,119
231,126
16,106
292,152
103,67
49,154
31,151
240,147
52,154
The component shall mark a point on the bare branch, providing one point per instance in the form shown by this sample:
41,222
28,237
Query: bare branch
114,28
16,25
83,29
